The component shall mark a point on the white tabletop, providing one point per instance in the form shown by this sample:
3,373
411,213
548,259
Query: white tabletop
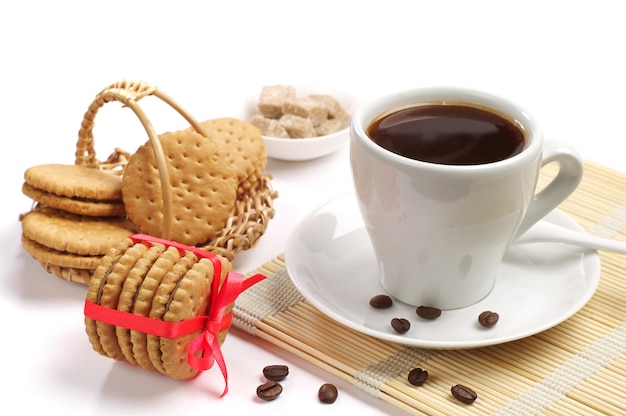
563,62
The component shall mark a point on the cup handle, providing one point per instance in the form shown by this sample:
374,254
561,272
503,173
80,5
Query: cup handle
564,183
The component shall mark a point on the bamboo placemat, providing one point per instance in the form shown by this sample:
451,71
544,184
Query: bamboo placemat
575,368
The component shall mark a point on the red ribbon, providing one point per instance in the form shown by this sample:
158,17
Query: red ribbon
203,350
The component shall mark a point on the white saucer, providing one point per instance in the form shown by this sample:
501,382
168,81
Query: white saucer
331,262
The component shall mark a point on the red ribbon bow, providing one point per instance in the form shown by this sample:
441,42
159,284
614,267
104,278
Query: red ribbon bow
203,350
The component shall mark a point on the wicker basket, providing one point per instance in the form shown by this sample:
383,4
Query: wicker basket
253,208
248,219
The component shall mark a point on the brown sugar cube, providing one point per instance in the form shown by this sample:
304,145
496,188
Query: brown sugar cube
275,129
272,98
261,122
269,126
297,127
335,109
315,110
330,125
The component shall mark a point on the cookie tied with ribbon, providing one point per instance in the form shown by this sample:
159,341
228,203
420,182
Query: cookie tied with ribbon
163,306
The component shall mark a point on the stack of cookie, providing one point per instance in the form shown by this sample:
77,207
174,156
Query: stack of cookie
138,230
79,215
150,279
81,212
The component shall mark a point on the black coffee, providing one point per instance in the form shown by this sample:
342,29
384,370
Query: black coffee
448,134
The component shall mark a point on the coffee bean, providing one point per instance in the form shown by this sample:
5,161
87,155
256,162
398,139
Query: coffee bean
327,393
463,393
488,319
417,376
269,390
381,302
400,325
276,372
428,312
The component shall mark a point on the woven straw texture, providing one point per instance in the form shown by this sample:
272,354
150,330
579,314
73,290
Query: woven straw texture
254,205
577,367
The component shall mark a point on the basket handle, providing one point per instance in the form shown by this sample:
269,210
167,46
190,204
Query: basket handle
129,93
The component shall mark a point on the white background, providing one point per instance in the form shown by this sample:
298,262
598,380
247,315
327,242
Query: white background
562,60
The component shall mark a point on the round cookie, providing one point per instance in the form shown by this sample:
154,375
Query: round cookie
51,257
75,206
76,189
127,296
159,302
108,296
143,303
80,235
243,145
146,279
71,274
93,292
189,300
203,188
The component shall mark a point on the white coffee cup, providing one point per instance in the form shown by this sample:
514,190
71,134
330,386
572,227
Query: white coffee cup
439,232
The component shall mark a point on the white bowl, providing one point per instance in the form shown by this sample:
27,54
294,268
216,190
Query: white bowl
307,148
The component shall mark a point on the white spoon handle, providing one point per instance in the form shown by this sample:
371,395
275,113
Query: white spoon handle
549,232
